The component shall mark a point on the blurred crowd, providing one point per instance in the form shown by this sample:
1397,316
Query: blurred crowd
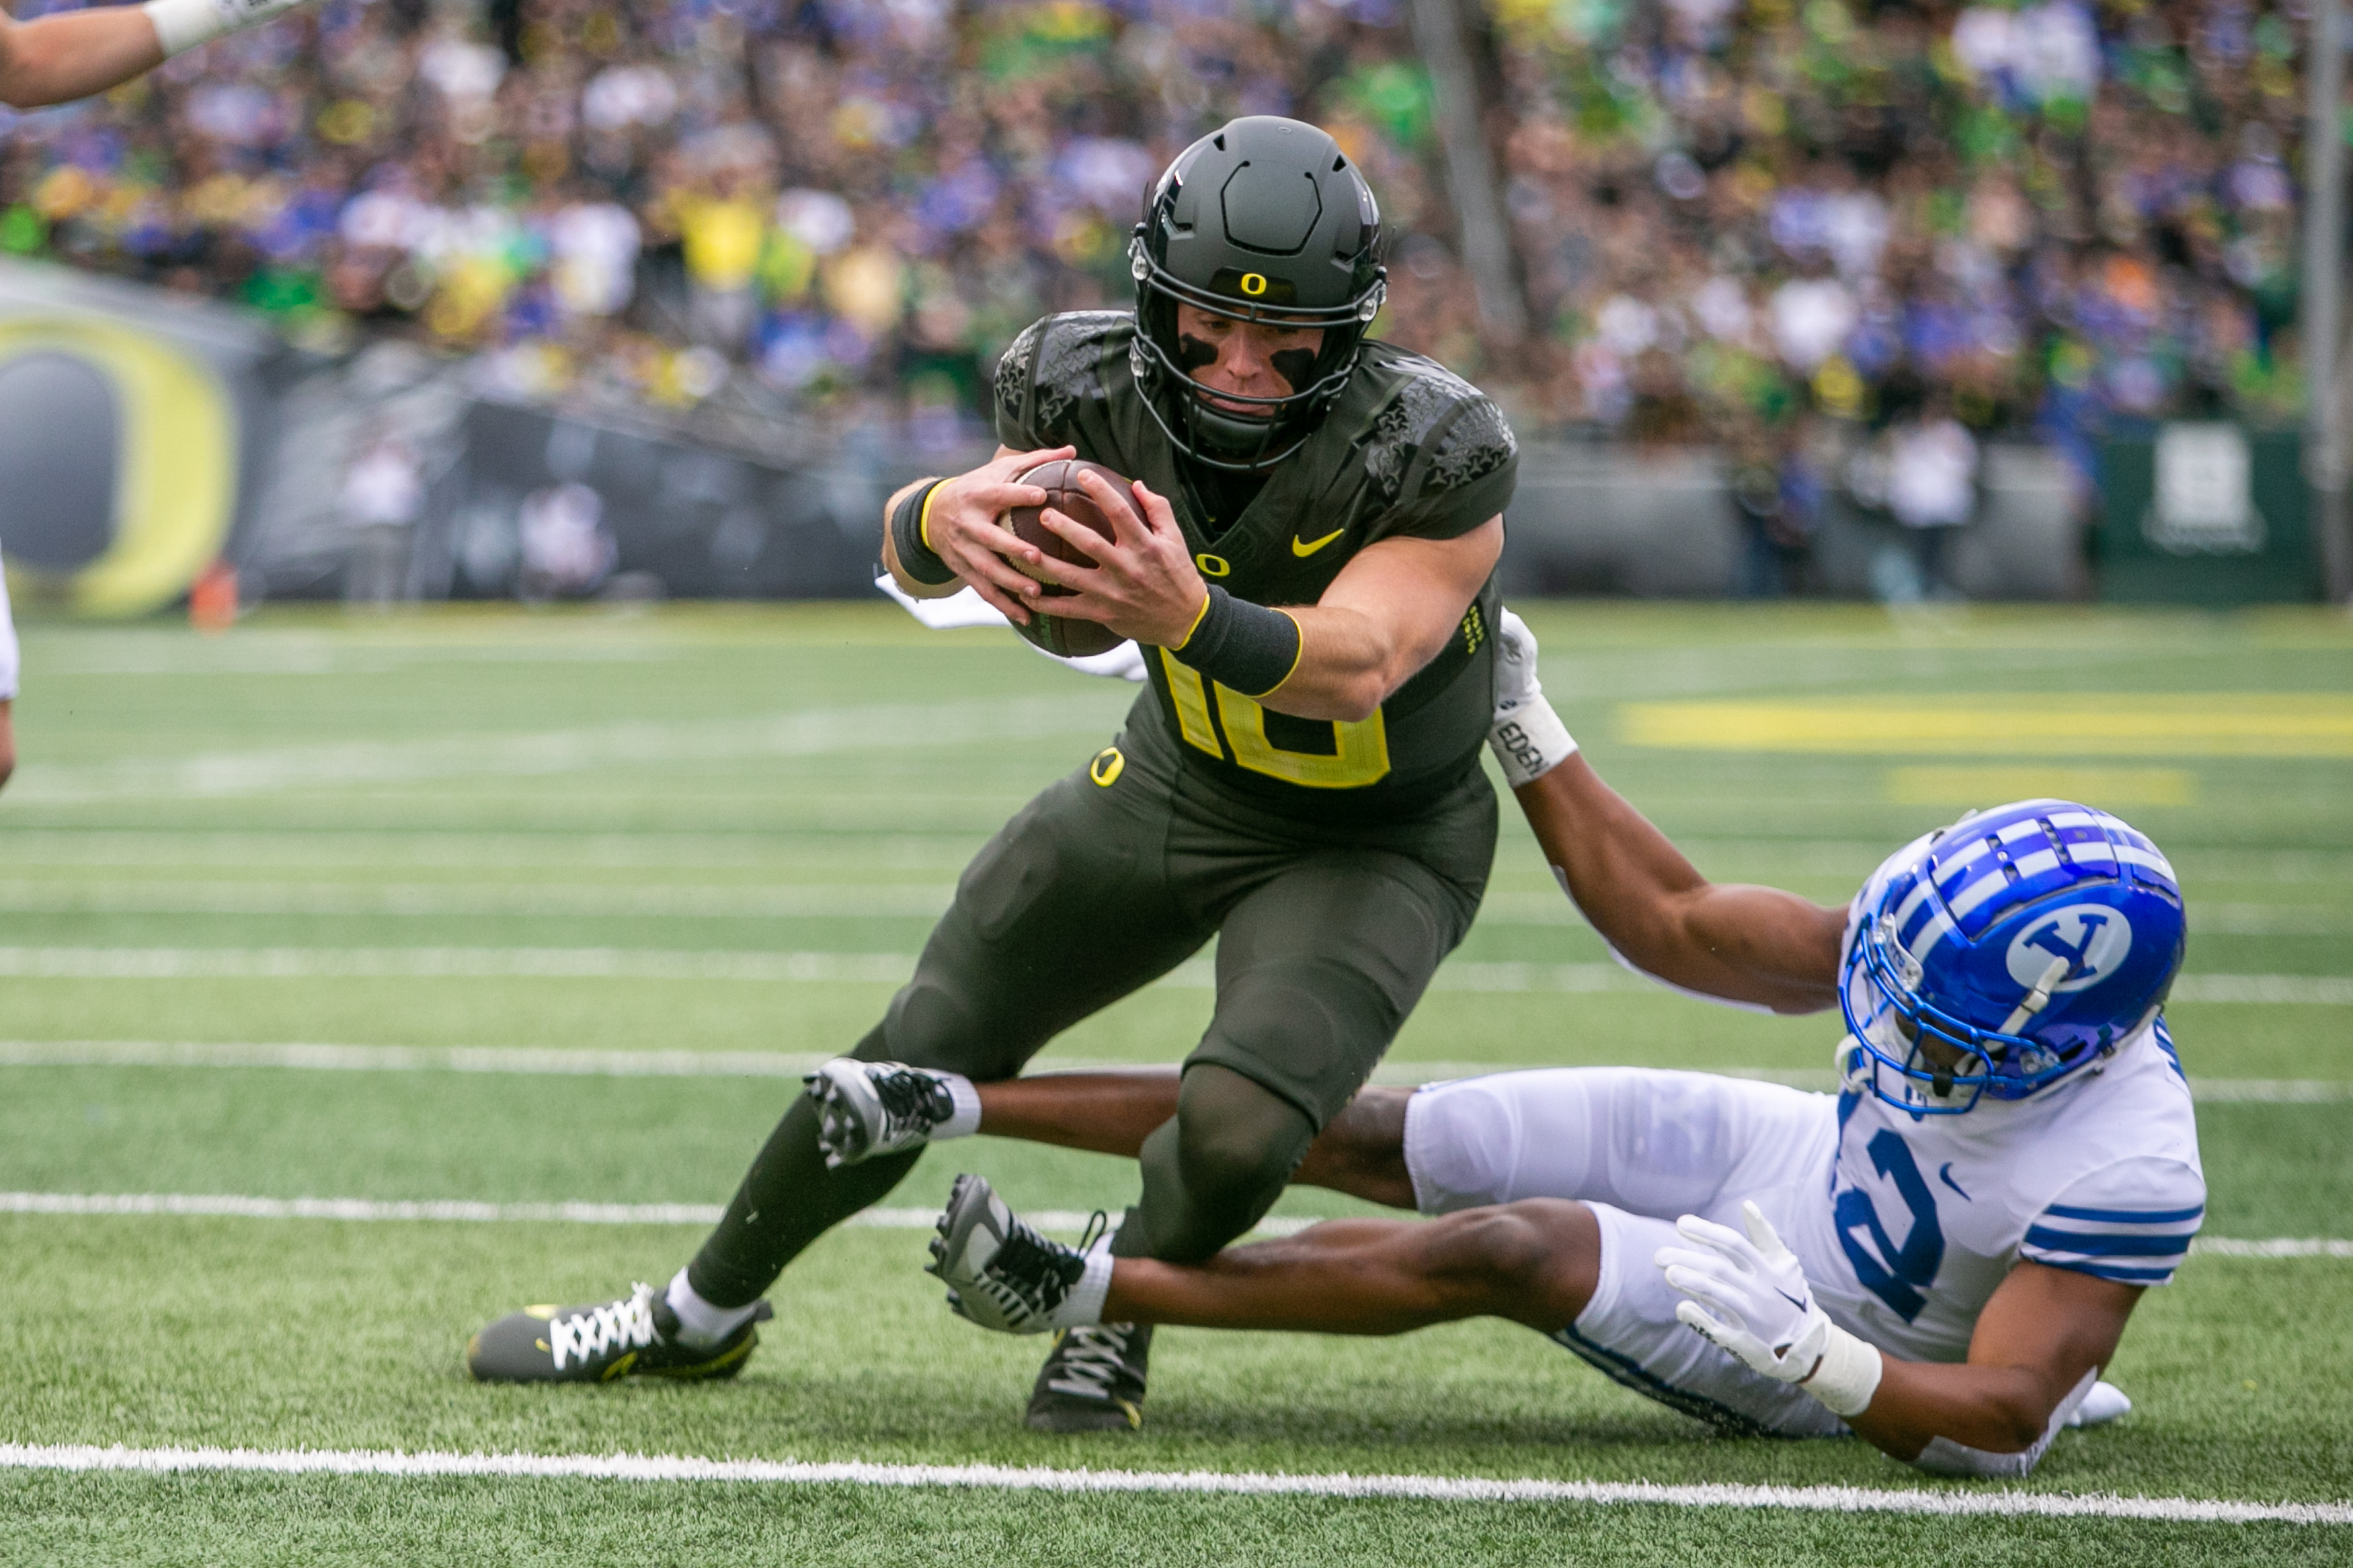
1736,221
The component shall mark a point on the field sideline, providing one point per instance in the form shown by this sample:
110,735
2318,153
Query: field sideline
367,977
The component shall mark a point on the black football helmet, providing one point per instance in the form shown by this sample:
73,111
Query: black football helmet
1264,220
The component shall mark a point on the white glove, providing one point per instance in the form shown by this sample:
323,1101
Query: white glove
1527,737
1749,1298
182,25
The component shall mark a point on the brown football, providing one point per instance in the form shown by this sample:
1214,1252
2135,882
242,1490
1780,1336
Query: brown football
1061,634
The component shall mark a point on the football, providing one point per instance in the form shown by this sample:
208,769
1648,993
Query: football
1058,634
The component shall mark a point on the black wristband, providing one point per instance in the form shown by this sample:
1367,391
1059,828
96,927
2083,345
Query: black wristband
917,559
1246,646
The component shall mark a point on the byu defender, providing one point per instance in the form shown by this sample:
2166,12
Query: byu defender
76,54
1310,583
1939,1258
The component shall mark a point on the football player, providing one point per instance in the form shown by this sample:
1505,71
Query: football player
1308,575
1939,1258
74,54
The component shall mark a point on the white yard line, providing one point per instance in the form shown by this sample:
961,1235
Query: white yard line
881,968
559,1063
770,900
226,1205
1956,1502
579,899
812,732
370,1210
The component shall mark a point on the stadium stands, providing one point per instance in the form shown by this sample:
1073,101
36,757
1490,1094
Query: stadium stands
1730,219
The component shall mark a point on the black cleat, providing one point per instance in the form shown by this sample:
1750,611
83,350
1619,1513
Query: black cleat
1094,1379
633,1337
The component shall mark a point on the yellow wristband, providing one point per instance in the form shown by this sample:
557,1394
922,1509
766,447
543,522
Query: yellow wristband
1196,626
923,518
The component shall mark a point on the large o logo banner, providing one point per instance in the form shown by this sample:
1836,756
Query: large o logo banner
173,479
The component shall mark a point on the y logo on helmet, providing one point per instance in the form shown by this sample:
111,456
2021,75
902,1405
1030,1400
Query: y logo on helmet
2093,938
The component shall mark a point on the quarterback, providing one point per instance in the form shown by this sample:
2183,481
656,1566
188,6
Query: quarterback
1939,1258
1304,564
58,58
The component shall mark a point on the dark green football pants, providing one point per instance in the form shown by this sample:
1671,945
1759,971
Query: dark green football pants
1326,937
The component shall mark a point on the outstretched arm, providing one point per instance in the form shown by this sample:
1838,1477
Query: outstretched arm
55,59
1753,945
1745,944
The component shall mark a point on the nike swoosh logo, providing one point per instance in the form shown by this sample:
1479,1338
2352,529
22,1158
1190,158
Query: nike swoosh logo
1801,1306
1945,1177
1304,548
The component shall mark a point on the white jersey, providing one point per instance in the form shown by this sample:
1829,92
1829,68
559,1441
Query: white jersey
1921,1217
1906,1226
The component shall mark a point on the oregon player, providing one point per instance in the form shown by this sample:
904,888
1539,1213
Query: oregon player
1310,580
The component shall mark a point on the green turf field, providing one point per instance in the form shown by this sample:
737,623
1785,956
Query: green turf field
357,910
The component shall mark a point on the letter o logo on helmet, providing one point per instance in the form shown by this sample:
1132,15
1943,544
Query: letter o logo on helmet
1253,284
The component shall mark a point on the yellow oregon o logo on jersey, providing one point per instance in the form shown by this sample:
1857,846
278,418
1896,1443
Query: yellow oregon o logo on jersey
1107,766
1211,565
175,467
1253,284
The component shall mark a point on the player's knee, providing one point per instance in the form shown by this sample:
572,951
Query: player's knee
1236,1141
1226,1161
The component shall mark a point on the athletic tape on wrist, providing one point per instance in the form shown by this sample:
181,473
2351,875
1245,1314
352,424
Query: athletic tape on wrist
917,559
1847,1376
1529,740
182,24
1242,646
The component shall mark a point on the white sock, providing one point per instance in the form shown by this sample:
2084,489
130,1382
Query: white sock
700,1324
965,1122
1084,1304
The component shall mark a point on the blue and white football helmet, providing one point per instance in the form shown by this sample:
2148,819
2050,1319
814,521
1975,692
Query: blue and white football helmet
2033,939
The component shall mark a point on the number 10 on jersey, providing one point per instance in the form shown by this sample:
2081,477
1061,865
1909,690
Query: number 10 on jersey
1359,755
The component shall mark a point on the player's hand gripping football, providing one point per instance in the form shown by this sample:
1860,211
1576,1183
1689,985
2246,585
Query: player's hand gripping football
967,529
1144,583
1749,1297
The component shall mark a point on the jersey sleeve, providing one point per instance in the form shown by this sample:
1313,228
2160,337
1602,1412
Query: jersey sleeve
1015,376
1446,469
2130,1222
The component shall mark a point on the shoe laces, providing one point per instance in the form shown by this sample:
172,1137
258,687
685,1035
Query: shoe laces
1092,1356
593,1332
911,1095
1043,1271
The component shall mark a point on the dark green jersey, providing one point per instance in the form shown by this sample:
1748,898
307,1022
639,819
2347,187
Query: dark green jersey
1410,451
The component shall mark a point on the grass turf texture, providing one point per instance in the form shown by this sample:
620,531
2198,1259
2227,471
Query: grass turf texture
306,763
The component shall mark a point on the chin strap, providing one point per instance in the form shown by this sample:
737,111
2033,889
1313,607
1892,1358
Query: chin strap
2038,998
